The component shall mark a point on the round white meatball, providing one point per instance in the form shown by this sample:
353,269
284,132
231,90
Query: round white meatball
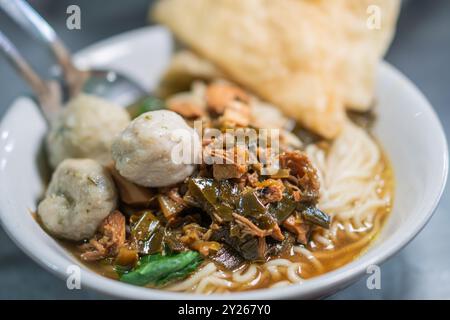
157,149
85,128
80,195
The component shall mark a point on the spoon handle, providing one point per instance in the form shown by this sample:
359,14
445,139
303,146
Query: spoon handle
21,12
29,20
48,93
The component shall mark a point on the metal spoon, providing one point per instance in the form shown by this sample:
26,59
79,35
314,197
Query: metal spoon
48,93
108,84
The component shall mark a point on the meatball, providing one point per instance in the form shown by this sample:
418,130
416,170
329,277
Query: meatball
80,195
145,153
85,128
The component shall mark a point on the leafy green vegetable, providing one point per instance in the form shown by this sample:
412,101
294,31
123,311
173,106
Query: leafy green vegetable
169,207
250,206
228,258
216,197
246,245
223,197
277,248
180,274
171,241
281,210
147,233
158,270
144,105
120,270
317,217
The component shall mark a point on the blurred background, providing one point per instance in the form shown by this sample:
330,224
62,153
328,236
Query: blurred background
421,50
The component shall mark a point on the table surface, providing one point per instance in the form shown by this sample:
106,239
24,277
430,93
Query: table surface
421,50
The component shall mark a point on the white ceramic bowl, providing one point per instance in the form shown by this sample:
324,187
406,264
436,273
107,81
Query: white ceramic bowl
407,127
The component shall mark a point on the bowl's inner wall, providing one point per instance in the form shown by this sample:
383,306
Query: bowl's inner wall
407,134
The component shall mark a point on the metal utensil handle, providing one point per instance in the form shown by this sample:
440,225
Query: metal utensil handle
29,19
21,12
46,92
18,62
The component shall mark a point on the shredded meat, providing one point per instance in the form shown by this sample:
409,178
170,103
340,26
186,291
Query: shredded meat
109,239
233,164
195,237
220,95
252,178
171,203
250,228
296,192
271,190
191,233
187,109
206,248
297,195
267,158
228,171
175,196
276,233
262,247
248,179
236,114
303,174
300,229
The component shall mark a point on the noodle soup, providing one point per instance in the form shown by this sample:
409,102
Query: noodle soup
356,193
251,166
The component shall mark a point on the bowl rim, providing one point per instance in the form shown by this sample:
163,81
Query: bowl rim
334,280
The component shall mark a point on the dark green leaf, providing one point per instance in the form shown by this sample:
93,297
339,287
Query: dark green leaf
277,248
317,217
147,233
281,210
215,197
121,270
158,269
171,241
180,274
246,245
250,205
228,258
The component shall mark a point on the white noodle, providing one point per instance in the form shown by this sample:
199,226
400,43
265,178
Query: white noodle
349,191
193,280
308,254
246,276
293,273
